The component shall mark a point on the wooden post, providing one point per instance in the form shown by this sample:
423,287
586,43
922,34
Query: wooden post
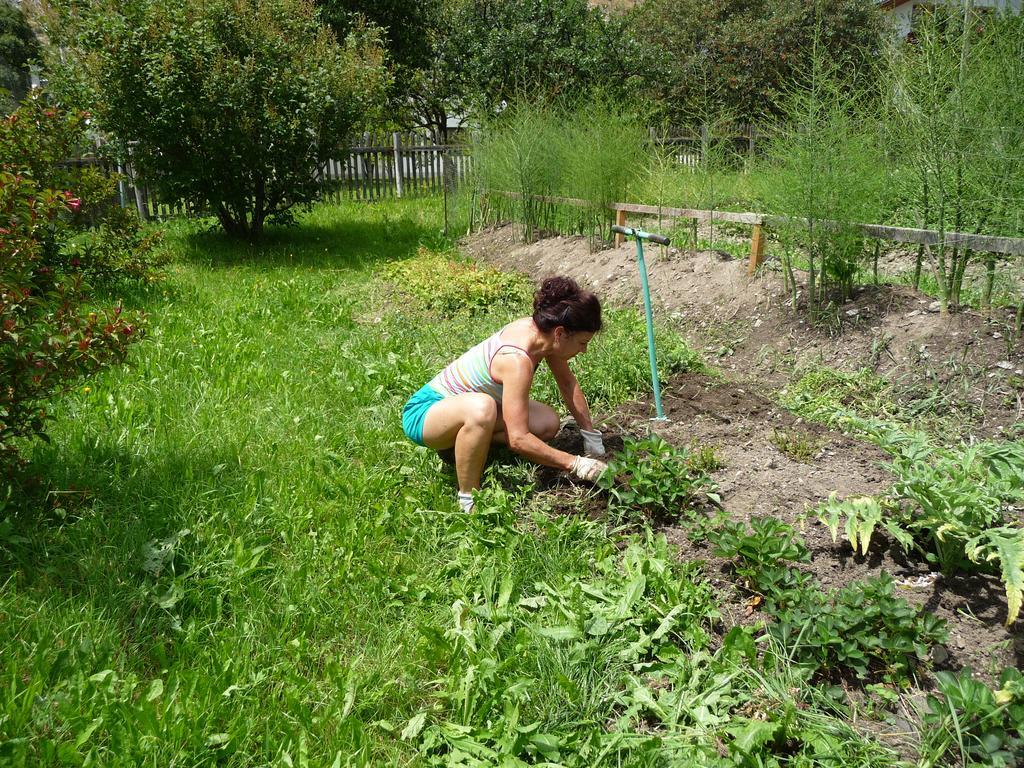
756,250
620,220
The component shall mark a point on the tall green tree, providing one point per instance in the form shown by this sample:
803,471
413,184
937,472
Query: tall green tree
738,55
424,91
18,47
498,51
231,104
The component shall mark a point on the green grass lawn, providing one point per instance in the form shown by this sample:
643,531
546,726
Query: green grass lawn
234,557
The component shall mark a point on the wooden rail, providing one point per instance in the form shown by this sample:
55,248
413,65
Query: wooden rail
1010,246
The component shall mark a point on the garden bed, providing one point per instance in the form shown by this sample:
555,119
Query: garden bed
778,464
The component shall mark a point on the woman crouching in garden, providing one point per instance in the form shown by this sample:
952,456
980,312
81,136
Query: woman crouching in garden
484,396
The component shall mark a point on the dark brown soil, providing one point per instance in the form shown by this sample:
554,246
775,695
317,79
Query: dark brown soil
960,367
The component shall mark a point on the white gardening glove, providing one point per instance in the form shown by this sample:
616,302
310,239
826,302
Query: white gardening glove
588,469
593,445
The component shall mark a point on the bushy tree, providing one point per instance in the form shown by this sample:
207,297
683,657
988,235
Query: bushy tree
49,336
231,104
424,90
469,57
740,54
18,47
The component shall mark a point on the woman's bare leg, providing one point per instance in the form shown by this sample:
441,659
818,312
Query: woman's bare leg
544,423
467,422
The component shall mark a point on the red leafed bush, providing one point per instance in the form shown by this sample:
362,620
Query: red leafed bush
49,338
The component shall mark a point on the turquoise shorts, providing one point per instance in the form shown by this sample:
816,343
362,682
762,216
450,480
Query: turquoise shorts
415,412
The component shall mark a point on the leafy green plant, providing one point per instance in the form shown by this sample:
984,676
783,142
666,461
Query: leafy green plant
862,627
119,248
504,638
859,516
761,556
449,286
769,542
950,503
651,478
968,720
49,338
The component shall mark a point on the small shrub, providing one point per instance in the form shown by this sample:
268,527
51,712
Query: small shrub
118,249
651,478
986,726
450,287
47,337
36,141
197,91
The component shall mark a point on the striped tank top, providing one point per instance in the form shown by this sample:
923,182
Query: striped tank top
472,371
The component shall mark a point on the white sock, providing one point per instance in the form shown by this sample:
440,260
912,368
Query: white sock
465,501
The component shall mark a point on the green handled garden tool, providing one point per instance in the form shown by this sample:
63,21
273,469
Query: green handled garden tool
640,236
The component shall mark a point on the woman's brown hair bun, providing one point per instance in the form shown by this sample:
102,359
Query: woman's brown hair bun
561,302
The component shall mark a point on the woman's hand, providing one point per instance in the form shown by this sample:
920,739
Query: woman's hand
588,469
593,444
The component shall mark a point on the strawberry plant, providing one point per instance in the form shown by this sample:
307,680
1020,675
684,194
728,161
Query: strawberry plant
651,478
862,627
761,556
985,726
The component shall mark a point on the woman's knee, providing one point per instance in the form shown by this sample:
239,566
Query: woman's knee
481,411
544,422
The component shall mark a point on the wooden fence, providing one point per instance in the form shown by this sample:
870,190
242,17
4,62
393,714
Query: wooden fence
1010,246
372,168
397,165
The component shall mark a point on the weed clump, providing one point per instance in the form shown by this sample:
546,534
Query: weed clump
797,445
451,287
826,395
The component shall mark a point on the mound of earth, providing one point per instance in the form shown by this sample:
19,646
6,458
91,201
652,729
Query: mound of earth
746,328
748,331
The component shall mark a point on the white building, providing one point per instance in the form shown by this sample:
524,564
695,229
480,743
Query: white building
903,11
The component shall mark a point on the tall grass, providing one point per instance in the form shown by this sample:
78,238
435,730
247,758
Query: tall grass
825,170
592,151
954,100
713,182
